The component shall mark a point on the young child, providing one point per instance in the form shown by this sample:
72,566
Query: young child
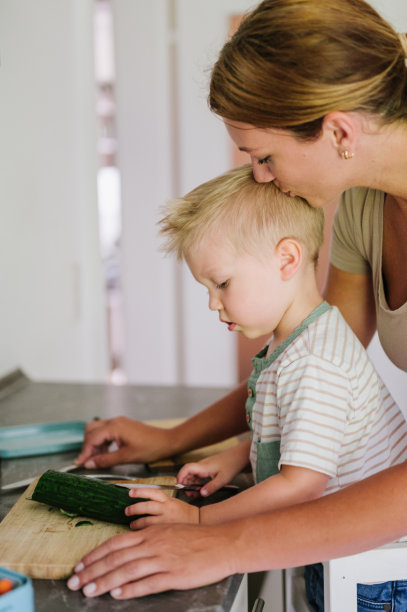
319,415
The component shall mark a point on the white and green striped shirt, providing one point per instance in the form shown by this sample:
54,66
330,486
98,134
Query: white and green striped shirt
320,399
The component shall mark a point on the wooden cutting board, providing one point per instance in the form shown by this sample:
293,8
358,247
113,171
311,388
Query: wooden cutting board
41,542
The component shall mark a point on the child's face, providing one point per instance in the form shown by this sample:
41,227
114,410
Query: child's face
247,291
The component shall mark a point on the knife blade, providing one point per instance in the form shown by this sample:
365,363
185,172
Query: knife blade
124,480
175,487
24,483
68,468
18,484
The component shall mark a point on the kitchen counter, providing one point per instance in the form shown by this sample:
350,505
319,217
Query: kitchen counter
23,401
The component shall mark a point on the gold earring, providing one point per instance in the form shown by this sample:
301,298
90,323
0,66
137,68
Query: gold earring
346,155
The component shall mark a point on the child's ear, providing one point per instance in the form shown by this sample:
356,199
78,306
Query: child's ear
289,252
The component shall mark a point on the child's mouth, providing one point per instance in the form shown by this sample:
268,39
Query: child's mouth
231,326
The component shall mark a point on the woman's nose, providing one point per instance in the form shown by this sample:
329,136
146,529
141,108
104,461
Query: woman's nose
262,172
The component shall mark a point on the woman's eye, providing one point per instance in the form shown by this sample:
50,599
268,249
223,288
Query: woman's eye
222,285
265,160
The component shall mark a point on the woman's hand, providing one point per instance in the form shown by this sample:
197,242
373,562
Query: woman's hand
161,508
157,559
136,442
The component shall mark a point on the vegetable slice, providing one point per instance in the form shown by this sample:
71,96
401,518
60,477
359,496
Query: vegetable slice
83,496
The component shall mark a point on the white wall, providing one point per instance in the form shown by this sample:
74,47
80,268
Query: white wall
168,143
205,150
395,11
52,303
144,156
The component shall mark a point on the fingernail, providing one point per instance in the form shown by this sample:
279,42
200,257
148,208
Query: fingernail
204,492
73,583
89,589
116,592
90,464
79,567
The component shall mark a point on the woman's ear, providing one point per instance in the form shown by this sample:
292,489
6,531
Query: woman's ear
342,129
289,251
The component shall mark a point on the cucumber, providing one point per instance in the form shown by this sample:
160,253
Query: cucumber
83,496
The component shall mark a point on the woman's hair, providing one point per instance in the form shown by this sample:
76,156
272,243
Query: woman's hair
293,61
246,215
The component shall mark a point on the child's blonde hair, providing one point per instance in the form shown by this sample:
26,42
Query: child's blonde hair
245,214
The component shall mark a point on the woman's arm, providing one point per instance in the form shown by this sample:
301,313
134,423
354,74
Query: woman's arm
139,442
353,295
362,516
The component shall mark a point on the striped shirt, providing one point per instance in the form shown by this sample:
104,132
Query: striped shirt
320,400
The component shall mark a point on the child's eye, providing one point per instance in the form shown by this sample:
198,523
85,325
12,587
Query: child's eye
222,285
265,160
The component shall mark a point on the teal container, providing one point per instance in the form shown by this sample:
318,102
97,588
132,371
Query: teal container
21,596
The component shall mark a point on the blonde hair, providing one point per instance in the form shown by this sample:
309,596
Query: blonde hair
293,61
246,214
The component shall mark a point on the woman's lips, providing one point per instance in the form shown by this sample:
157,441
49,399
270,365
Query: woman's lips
286,192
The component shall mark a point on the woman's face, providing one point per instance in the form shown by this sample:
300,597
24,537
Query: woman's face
310,169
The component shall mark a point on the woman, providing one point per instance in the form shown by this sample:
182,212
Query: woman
316,93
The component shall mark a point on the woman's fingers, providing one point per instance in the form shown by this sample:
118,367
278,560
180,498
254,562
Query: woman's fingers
116,544
156,583
105,560
136,441
102,577
97,438
156,559
146,521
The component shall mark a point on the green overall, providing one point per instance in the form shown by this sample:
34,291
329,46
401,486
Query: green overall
268,453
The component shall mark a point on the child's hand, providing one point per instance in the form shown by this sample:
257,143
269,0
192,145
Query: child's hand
195,473
220,469
163,509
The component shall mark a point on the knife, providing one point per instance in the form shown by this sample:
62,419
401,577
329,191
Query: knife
175,487
130,482
119,479
24,483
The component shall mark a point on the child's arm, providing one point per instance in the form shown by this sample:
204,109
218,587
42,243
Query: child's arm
163,509
292,485
220,468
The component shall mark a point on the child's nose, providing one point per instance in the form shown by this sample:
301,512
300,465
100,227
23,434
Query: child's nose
214,303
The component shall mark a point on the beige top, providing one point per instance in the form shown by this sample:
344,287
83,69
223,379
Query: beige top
357,248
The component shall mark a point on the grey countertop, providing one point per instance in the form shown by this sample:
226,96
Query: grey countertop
23,401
